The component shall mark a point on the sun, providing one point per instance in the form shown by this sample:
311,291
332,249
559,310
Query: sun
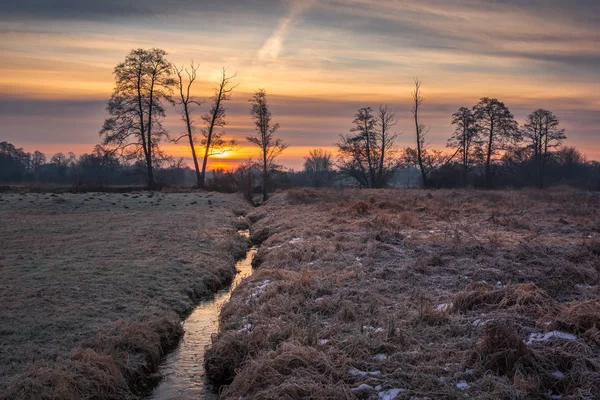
225,154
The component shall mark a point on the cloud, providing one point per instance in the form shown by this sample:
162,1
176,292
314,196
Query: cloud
93,10
272,48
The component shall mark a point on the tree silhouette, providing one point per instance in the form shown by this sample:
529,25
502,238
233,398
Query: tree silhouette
497,125
365,154
213,141
270,146
319,167
542,132
465,139
134,129
420,131
187,101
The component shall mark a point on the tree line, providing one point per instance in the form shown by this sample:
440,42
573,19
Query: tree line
487,149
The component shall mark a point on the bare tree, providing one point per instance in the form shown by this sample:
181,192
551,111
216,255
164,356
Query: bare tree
367,153
319,167
270,146
143,82
387,162
465,139
356,151
497,124
214,142
542,132
420,132
187,101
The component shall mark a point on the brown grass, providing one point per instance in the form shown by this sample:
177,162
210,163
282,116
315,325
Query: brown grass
94,286
413,290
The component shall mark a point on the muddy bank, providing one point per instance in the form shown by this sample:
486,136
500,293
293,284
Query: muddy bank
404,294
94,286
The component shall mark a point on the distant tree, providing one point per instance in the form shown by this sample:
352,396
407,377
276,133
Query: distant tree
542,132
187,103
387,162
570,160
143,82
319,167
497,125
270,145
465,139
37,160
60,163
366,154
213,141
13,165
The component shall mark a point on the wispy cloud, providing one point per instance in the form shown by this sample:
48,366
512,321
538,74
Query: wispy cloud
273,46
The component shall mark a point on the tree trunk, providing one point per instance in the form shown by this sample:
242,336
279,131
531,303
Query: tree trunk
488,177
265,175
209,137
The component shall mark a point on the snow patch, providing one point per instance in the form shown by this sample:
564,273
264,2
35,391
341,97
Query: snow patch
358,372
390,394
558,374
323,341
245,328
364,386
372,329
380,357
444,307
296,240
544,337
462,385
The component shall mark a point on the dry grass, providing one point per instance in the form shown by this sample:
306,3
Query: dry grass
359,293
93,286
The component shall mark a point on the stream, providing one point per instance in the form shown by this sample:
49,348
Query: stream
182,370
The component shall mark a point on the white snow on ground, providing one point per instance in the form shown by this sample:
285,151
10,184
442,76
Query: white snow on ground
358,372
245,328
296,240
390,394
443,307
558,374
462,385
380,357
364,386
323,341
370,328
544,337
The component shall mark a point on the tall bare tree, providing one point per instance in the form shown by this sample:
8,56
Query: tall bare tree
270,145
187,103
134,129
319,167
542,131
465,139
213,141
496,123
420,132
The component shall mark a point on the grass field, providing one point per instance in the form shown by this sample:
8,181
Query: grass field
411,294
93,286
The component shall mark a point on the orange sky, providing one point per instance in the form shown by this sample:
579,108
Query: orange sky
318,60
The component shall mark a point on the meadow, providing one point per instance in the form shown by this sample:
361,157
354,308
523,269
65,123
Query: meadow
93,286
412,294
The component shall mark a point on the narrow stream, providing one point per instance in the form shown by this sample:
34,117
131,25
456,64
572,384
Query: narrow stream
183,369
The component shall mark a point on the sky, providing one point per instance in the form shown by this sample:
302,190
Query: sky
318,60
